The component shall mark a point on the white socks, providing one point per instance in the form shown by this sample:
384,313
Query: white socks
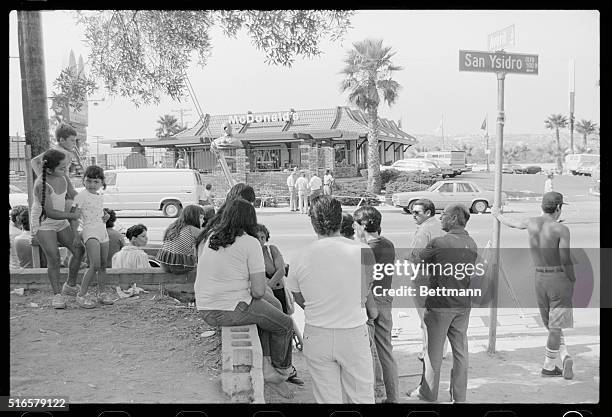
550,359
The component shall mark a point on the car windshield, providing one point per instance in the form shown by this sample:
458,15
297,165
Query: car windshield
434,186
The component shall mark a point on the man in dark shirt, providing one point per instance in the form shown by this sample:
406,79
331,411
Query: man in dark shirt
380,321
448,315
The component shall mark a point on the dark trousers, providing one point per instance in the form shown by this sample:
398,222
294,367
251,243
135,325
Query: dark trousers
275,328
279,293
385,367
440,323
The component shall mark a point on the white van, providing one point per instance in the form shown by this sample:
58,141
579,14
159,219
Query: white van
165,189
573,161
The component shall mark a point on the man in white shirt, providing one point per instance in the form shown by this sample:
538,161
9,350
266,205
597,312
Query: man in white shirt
548,185
291,179
330,282
328,182
301,185
315,185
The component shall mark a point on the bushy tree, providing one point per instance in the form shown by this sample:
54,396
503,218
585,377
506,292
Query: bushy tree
168,126
142,54
586,128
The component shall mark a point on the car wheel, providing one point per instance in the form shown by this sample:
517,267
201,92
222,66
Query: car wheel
172,209
479,206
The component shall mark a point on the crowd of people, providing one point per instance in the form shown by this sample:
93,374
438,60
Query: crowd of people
243,279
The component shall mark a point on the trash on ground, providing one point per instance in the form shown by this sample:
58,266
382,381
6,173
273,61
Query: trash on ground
208,333
35,305
18,291
133,290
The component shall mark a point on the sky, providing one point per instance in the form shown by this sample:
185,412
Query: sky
427,43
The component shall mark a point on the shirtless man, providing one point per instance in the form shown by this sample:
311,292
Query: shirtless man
549,241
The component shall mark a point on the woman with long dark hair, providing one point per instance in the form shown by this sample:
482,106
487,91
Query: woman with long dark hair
230,285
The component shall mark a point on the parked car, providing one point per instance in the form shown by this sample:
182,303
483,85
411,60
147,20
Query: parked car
573,161
533,169
165,189
512,169
446,170
414,165
17,197
586,168
456,159
442,193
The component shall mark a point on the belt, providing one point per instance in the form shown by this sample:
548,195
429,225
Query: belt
549,269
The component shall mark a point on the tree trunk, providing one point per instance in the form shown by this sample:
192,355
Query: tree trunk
32,63
584,141
374,180
559,153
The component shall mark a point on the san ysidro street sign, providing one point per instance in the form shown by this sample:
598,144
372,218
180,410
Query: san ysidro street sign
480,61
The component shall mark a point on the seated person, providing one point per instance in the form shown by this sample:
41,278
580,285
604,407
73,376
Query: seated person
132,256
14,231
116,239
227,140
178,252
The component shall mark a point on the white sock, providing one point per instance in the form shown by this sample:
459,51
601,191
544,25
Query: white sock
550,359
563,353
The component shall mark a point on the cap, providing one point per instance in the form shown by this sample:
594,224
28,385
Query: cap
552,199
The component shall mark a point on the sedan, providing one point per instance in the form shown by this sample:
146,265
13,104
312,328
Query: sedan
445,169
443,193
17,197
533,169
414,165
512,169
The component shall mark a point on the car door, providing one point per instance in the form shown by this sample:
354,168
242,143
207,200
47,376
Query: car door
464,193
446,193
110,193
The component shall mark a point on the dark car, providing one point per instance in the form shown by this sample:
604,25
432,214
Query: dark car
533,169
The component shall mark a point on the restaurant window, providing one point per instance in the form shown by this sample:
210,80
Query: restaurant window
266,159
343,153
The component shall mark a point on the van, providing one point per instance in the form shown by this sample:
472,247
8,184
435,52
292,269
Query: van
456,159
573,161
165,189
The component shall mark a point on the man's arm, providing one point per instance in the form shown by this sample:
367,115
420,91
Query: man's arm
299,299
564,253
513,223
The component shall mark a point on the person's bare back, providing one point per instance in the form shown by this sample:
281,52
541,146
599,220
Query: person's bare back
544,236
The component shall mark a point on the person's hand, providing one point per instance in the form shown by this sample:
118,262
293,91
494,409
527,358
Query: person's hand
105,217
495,211
75,213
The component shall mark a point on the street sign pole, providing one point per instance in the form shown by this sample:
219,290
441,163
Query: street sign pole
499,149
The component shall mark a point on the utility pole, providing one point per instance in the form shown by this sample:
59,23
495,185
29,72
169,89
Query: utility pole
572,94
182,112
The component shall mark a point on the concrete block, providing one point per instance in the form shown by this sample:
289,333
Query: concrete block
242,360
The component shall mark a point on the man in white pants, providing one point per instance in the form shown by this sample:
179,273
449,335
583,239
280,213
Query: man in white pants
301,185
329,281
292,191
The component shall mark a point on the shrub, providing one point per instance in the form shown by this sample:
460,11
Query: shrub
349,193
418,177
388,175
399,186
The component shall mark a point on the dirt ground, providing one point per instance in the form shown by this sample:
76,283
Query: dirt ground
149,350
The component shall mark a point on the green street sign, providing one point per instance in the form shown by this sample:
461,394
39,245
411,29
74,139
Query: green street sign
480,61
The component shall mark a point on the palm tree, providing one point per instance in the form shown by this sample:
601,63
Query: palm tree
168,126
586,127
368,73
556,122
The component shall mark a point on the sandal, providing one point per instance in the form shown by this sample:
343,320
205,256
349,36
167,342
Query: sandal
293,378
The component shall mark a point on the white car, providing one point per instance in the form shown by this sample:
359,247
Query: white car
17,197
414,165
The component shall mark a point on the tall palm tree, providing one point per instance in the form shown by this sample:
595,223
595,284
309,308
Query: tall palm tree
168,126
556,122
586,127
367,75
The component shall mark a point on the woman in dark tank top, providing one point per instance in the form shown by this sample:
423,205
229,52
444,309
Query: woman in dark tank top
275,265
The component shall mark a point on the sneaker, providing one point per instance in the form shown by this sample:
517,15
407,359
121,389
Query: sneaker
568,362
58,301
105,298
69,290
85,301
554,372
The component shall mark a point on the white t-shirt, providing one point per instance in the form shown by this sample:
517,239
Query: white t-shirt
315,183
92,208
548,186
301,184
327,179
291,180
222,279
328,273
